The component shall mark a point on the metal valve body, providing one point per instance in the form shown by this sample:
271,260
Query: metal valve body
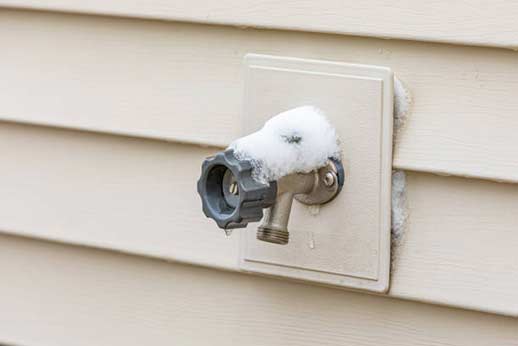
233,198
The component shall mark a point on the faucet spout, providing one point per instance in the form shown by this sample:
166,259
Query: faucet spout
316,187
274,227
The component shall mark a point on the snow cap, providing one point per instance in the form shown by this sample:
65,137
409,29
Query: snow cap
299,140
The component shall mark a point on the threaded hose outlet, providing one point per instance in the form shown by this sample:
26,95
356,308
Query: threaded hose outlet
273,235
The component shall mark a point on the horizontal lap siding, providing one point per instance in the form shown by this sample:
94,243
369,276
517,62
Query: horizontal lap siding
490,23
79,296
184,82
139,196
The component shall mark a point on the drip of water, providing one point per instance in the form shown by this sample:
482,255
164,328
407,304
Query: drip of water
311,242
228,232
314,210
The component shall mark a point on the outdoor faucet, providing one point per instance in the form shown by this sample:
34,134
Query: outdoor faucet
232,197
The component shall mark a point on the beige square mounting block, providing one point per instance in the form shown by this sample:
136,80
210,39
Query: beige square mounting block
346,242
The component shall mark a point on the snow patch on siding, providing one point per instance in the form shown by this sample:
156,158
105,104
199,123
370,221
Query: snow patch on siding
399,210
399,207
402,105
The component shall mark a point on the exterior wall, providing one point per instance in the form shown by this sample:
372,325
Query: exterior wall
184,83
80,296
454,21
138,196
101,145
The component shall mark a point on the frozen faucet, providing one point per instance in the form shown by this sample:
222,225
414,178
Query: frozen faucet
294,156
233,198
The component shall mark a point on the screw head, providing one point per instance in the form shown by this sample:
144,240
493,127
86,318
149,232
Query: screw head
329,179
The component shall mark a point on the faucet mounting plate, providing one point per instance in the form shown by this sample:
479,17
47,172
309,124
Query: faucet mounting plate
345,242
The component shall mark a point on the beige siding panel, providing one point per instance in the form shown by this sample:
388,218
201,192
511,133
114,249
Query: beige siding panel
139,196
480,22
461,244
131,195
61,295
184,82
